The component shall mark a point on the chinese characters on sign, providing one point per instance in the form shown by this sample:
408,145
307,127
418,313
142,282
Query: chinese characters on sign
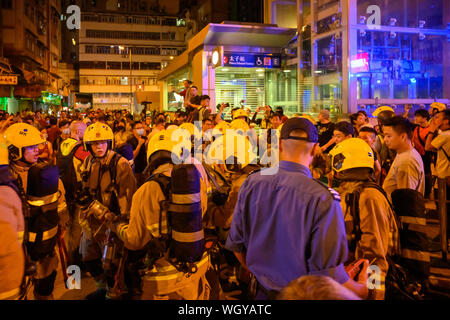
251,61
8,80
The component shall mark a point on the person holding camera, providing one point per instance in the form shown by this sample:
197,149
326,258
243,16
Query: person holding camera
263,122
108,186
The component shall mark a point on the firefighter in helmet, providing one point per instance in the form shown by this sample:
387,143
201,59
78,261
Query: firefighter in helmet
436,107
23,142
230,160
164,276
370,222
11,230
108,186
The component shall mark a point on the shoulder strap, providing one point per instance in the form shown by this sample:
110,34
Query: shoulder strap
251,169
164,183
352,201
213,180
112,167
419,137
371,184
443,150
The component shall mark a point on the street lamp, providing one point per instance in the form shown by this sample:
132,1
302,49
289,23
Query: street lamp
121,48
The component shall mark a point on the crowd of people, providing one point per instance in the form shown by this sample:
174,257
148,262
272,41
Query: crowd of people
127,198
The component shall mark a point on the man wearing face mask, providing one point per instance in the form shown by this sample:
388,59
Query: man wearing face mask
69,160
23,141
139,143
108,185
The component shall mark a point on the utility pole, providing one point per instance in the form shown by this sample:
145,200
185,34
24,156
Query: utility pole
131,85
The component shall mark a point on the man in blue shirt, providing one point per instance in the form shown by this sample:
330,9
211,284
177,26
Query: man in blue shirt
287,225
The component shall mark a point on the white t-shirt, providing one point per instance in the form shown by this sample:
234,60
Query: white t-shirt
406,172
442,143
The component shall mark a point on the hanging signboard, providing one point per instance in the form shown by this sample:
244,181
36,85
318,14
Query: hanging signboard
11,80
245,60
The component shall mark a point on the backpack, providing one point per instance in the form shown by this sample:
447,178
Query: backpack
404,279
66,168
352,200
43,222
184,240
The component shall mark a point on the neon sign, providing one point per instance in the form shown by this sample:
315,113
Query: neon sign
360,63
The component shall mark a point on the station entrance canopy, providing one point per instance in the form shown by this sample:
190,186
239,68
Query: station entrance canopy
246,38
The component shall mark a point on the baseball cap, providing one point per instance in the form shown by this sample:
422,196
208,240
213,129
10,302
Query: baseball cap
299,124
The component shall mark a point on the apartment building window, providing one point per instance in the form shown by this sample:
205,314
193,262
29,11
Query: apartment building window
142,6
103,34
168,36
169,51
41,51
30,41
89,17
6,4
92,64
126,65
103,49
150,66
113,80
114,65
54,61
89,49
169,22
138,50
152,51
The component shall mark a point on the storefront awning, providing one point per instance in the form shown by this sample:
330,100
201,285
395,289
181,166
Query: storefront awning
176,64
257,35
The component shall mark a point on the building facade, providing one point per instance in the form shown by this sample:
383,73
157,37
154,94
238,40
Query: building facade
31,44
123,46
359,54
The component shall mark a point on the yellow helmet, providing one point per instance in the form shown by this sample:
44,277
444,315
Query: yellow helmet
351,153
22,135
172,141
172,126
240,113
189,127
223,126
4,158
308,117
377,111
439,106
231,145
239,124
98,132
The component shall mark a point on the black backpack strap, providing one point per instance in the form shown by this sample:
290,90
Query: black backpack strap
418,136
352,201
164,183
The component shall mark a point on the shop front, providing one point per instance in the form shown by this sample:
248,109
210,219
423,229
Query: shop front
242,65
360,54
